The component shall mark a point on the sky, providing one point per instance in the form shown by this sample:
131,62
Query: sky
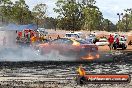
109,8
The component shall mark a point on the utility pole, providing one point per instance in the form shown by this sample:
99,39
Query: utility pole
126,22
119,14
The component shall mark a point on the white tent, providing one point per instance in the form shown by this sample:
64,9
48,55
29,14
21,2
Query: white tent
8,38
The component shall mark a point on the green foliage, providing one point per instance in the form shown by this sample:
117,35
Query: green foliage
50,23
69,15
107,25
78,15
92,17
73,15
125,23
17,12
39,12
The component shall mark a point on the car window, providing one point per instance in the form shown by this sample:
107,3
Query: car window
68,35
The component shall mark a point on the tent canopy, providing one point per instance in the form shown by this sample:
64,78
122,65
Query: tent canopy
20,27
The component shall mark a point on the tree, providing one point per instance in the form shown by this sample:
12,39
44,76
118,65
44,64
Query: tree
39,12
21,12
17,12
69,14
6,9
76,15
108,25
92,18
125,23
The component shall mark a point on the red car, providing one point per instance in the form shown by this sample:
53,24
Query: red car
79,49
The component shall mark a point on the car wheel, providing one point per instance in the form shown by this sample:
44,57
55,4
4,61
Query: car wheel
115,47
123,46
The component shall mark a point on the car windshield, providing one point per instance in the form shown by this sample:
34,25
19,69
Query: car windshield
61,41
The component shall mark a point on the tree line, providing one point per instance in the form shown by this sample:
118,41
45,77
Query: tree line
72,15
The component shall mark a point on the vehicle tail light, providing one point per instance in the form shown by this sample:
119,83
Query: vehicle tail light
83,47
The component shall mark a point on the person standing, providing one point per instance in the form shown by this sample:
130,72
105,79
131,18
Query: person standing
81,75
111,41
117,41
58,37
81,71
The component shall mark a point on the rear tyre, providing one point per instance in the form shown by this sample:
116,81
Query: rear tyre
123,47
115,47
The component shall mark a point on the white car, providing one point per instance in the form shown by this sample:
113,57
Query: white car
91,38
74,35
102,42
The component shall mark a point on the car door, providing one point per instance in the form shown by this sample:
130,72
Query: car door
56,44
67,47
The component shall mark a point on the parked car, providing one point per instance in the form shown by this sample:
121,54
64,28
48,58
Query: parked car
102,42
74,35
91,38
122,43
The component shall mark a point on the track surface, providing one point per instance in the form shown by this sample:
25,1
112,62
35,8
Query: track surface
59,74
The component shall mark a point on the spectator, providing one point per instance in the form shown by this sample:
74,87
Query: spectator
111,41
81,71
50,39
58,37
117,41
130,42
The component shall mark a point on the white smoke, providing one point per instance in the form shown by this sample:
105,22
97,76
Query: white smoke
9,51
29,54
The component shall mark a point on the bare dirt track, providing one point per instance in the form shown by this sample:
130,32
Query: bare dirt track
56,75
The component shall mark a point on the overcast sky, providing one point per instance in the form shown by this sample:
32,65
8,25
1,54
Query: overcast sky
109,8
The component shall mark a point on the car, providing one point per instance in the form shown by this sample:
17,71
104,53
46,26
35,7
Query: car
122,43
102,42
91,38
78,49
42,31
74,35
